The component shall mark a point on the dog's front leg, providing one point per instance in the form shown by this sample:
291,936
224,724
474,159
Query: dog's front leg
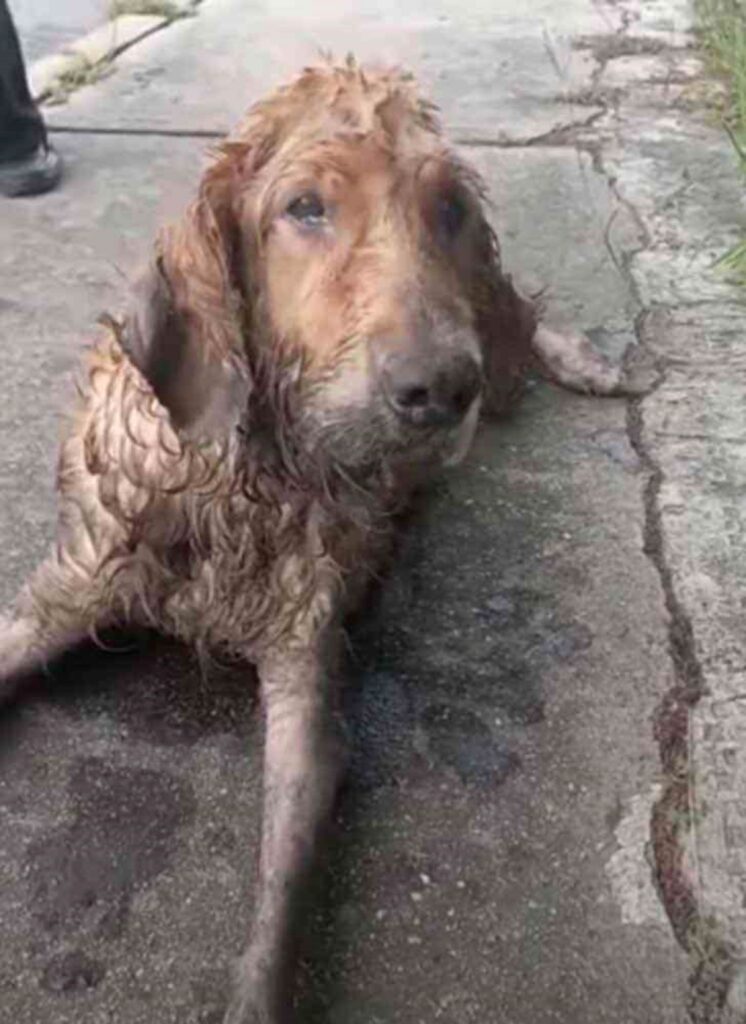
304,754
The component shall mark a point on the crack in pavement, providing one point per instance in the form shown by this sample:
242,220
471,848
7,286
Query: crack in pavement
673,814
560,135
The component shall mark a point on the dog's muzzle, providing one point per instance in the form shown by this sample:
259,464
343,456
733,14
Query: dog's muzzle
430,392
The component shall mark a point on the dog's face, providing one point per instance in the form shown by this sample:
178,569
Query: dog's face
368,244
337,244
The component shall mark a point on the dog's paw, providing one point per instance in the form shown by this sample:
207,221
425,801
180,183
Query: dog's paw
571,359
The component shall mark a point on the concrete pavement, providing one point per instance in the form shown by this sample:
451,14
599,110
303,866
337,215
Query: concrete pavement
544,820
46,26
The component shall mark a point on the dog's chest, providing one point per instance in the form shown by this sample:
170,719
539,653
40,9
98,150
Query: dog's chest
250,575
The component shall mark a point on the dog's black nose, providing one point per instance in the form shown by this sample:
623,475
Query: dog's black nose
431,393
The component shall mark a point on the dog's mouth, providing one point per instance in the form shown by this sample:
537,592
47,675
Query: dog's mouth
346,414
361,441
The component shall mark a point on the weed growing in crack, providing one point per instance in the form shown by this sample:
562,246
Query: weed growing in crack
79,73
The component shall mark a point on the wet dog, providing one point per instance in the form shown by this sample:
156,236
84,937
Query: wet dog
317,334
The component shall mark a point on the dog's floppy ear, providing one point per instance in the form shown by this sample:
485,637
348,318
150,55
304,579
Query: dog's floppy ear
505,322
188,316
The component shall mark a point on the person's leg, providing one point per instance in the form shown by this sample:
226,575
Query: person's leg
27,164
21,125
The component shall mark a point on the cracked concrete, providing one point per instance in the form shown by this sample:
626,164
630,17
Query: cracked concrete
544,820
690,211
675,172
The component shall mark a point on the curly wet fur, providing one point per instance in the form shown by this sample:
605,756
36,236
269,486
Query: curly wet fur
193,537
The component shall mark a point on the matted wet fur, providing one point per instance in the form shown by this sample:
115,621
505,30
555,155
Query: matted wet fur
313,337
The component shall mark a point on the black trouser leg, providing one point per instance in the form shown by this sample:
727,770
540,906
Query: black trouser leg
21,124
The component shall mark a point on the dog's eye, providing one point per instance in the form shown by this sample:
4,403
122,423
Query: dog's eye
451,213
308,210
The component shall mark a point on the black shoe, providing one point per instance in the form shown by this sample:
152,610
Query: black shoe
32,175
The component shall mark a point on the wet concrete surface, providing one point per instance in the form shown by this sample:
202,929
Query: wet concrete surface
113,784
487,830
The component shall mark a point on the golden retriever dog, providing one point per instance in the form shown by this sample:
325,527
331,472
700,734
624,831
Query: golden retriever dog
315,336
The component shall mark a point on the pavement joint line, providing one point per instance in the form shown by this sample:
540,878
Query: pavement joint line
213,133
168,133
558,136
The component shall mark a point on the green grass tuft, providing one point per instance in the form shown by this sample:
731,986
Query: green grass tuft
722,28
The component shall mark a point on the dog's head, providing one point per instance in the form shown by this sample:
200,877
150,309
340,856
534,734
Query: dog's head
336,272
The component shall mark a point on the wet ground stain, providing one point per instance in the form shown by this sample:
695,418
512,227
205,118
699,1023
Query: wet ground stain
444,650
124,832
449,660
460,740
155,687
